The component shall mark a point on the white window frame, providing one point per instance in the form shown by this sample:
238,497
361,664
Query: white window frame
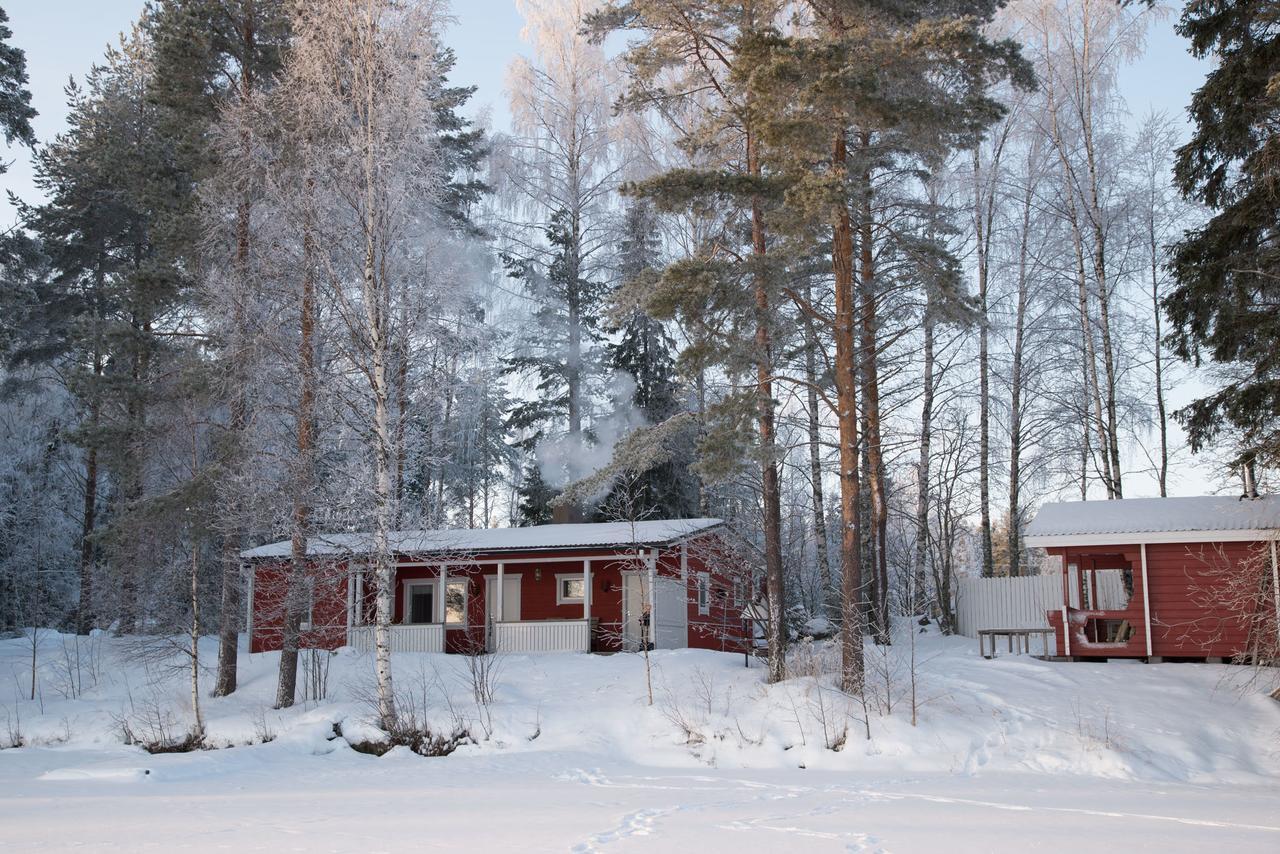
407,600
309,590
561,578
466,601
703,582
739,591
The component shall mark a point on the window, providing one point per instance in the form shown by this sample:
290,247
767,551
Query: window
704,593
570,589
309,612
739,592
455,601
422,603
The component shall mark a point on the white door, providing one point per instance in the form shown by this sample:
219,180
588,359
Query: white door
510,602
635,602
672,611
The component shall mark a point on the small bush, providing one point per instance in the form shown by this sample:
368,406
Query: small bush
421,739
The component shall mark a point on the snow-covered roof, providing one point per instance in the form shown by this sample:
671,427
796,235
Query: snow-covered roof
1207,518
651,532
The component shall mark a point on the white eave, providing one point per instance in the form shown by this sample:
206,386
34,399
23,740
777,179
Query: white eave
1148,537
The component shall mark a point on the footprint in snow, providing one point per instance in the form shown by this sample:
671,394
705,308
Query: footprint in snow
638,823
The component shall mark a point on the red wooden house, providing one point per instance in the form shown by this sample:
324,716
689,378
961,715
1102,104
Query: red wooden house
563,587
1199,573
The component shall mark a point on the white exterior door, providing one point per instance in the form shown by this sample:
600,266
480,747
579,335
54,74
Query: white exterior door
635,601
510,602
672,611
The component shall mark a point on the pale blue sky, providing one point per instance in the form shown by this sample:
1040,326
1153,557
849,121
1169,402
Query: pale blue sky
63,38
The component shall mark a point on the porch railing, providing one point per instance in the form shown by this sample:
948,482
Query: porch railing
543,636
428,637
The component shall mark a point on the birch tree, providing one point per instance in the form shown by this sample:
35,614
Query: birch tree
362,73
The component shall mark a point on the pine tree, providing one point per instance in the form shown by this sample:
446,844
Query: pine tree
686,58
208,54
112,305
1225,306
860,94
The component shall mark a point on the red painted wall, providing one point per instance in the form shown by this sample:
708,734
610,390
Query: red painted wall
328,613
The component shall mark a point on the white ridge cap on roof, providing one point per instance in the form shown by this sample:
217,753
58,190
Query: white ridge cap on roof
1208,518
480,540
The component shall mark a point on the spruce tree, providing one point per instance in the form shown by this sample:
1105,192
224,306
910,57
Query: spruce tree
16,111
1225,306
534,496
560,348
646,352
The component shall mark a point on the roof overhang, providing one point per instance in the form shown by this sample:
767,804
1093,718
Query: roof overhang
329,549
1050,541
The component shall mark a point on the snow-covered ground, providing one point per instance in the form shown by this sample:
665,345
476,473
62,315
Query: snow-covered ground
1007,755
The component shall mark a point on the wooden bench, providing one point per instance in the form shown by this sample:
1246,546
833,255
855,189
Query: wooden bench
1018,640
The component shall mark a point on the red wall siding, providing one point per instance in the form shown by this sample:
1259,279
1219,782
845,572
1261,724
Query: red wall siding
328,613
1189,616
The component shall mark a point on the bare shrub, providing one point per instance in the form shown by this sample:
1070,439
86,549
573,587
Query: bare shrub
482,671
151,725
264,731
12,728
315,674
412,727
79,668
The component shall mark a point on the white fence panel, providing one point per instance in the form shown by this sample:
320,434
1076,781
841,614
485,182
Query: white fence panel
428,637
1006,603
1111,593
544,636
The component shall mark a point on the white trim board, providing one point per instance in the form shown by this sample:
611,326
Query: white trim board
1151,538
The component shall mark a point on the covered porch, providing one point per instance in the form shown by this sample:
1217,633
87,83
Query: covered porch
1106,611
554,603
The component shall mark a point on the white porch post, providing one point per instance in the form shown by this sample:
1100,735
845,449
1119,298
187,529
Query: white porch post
653,597
443,573
248,605
1146,599
359,610
351,598
1275,582
498,611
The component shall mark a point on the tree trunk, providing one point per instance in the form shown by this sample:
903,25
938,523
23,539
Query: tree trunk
88,522
982,235
771,495
1016,394
304,426
828,599
870,327
1162,418
377,328
852,670
922,469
